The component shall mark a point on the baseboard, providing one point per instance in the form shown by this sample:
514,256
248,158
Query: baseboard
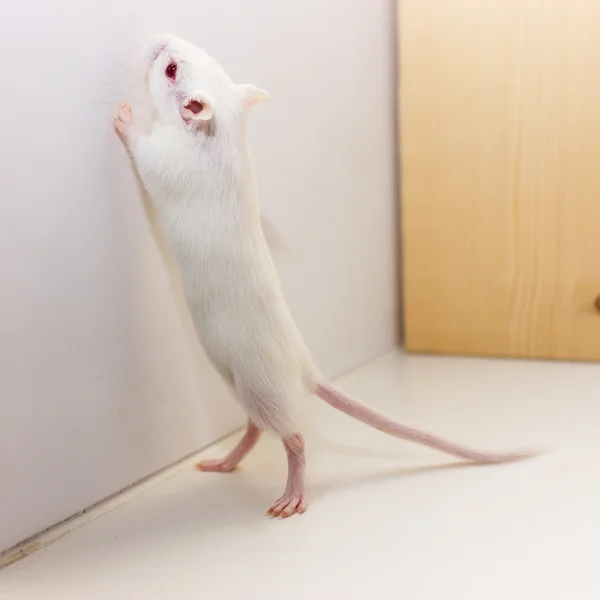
55,532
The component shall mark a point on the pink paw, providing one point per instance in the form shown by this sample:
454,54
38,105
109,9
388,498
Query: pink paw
124,119
288,505
215,466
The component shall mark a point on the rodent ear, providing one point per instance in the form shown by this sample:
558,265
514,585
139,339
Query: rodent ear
196,107
252,95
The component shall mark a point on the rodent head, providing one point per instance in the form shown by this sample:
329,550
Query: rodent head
188,87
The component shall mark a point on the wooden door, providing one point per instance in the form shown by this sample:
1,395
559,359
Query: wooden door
500,173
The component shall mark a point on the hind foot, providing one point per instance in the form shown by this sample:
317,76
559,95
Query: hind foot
288,505
293,500
233,459
216,466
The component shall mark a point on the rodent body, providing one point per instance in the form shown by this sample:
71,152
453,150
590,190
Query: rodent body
228,276
197,169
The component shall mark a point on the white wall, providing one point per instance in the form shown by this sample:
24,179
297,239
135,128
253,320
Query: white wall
101,382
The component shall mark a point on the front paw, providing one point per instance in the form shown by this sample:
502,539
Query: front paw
123,122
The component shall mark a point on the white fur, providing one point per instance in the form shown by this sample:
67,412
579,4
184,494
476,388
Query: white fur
200,176
197,169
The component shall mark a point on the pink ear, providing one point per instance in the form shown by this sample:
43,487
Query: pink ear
196,108
252,95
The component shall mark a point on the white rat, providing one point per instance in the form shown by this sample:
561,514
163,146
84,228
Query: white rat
196,167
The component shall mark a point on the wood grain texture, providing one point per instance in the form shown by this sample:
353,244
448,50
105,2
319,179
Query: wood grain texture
500,171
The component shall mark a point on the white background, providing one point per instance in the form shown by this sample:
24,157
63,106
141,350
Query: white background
101,381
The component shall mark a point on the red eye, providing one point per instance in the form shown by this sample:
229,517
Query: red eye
171,70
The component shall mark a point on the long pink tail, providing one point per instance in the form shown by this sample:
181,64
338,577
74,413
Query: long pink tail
359,411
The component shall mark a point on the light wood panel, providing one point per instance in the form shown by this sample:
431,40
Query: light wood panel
500,171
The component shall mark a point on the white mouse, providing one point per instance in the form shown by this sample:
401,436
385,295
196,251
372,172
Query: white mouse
197,169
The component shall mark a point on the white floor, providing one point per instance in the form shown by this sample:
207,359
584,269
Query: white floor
386,519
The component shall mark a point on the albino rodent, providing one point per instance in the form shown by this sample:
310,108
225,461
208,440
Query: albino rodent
197,169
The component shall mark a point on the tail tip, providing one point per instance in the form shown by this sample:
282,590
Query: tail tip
507,457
